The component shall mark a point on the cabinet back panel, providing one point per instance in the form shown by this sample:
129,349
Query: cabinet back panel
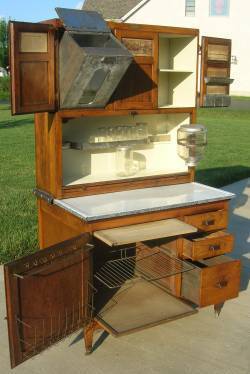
94,165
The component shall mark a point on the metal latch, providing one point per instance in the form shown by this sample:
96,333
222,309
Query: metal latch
43,195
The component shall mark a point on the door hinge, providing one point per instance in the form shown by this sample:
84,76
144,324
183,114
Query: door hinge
200,50
43,195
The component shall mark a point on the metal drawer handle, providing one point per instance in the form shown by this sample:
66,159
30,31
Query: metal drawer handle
222,284
215,247
208,222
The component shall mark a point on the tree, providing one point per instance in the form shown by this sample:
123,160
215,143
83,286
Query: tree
4,59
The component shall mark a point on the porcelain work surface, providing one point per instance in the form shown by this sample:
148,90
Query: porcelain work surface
118,204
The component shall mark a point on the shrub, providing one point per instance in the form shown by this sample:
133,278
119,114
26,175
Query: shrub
4,88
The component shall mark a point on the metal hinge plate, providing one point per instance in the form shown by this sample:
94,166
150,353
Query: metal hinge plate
43,195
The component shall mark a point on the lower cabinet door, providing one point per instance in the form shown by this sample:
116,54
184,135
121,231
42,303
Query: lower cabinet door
48,296
213,281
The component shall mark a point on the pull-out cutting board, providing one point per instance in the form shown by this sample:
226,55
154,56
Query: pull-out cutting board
144,231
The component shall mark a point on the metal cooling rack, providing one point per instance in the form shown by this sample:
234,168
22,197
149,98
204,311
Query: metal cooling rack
114,273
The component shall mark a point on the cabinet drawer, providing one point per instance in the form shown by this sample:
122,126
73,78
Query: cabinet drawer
202,246
210,221
213,281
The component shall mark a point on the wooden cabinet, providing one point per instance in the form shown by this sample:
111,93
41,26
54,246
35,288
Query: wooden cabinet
47,297
138,87
163,73
209,221
212,282
216,278
32,64
215,72
147,252
81,285
91,169
202,246
177,70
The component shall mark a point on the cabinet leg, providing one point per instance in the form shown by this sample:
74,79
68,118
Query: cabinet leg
218,309
88,333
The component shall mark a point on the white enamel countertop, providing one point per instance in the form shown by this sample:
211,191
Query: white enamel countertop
118,204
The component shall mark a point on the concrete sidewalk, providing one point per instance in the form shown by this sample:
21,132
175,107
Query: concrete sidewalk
239,104
199,344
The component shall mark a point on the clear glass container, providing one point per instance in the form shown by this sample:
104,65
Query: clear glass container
141,130
192,141
125,164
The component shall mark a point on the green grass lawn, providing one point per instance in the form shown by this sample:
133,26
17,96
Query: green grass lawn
18,221
241,98
227,157
227,160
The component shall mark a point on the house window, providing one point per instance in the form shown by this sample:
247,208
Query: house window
190,8
219,8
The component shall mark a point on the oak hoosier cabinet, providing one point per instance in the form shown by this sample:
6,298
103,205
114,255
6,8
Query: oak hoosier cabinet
121,220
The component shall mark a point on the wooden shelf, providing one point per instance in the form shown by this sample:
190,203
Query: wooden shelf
75,180
175,71
172,106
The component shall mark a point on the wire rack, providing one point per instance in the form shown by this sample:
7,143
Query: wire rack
152,267
37,334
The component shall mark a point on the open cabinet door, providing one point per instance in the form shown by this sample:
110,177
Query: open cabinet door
32,67
215,72
48,296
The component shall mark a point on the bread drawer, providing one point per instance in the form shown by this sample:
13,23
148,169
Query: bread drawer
213,281
203,246
210,221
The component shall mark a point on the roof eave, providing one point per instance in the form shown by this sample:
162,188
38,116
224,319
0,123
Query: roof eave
134,10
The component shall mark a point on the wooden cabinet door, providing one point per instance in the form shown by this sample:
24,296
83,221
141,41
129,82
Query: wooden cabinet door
32,65
215,72
48,296
138,87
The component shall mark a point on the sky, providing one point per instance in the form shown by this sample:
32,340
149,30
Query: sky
34,11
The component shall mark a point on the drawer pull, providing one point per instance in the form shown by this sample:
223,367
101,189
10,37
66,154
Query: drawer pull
215,247
208,222
222,284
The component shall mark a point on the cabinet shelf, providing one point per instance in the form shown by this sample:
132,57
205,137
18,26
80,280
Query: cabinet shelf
94,146
173,106
175,71
93,178
152,267
176,89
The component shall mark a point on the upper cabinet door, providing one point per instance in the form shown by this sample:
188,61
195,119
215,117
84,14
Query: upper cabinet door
138,87
48,296
215,72
32,64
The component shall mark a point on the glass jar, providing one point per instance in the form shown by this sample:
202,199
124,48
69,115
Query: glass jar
125,164
141,130
192,141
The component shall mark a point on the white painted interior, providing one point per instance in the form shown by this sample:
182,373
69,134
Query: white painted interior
235,27
177,71
158,158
